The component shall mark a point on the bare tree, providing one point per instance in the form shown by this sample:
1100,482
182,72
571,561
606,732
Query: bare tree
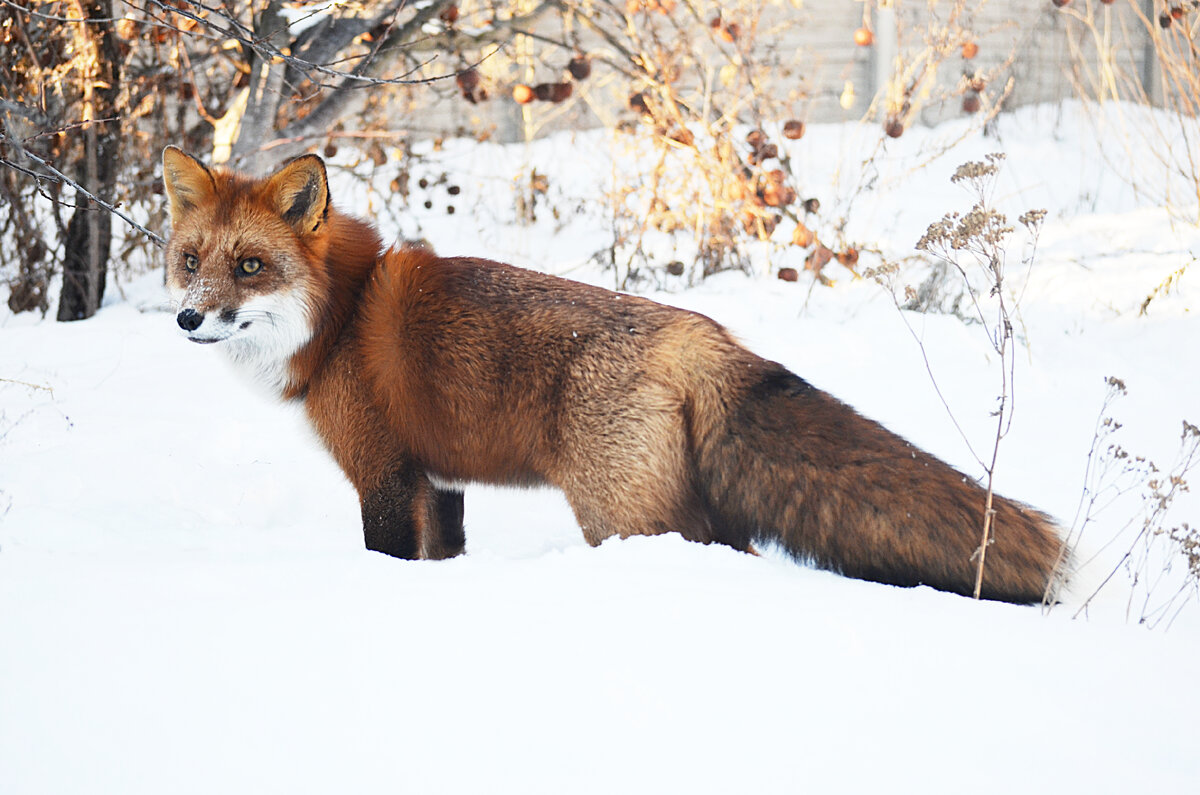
89,232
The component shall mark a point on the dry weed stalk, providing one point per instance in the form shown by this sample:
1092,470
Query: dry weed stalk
974,246
1159,544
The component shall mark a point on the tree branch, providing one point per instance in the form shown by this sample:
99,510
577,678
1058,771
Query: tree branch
57,176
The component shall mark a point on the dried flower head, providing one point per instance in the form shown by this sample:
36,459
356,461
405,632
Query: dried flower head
978,170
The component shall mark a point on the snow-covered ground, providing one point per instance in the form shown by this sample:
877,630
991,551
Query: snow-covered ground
186,607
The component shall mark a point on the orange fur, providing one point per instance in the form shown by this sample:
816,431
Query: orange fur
418,371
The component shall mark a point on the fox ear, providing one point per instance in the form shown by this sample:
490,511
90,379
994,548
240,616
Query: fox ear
188,183
300,192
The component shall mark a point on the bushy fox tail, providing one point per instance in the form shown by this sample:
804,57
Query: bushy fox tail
791,464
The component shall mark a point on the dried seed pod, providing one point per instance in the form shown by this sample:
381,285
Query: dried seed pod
675,268
789,274
970,102
894,128
812,205
682,136
793,130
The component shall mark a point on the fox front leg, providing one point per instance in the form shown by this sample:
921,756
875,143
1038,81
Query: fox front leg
405,516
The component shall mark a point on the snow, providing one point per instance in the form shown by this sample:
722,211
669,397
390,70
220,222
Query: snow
186,607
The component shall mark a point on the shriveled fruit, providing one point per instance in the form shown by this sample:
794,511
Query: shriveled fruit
819,257
468,81
552,92
560,92
774,195
793,130
580,67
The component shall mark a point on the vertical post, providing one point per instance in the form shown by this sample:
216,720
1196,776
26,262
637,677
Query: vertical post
885,49
1151,69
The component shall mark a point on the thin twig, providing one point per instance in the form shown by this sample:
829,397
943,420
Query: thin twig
59,177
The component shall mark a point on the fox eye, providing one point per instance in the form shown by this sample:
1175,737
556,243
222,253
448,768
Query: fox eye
191,262
251,266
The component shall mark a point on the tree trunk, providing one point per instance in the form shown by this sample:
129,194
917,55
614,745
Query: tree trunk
257,124
89,232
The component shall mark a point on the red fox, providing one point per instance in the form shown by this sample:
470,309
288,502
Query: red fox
421,373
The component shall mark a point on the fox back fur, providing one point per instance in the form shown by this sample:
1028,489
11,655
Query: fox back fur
421,373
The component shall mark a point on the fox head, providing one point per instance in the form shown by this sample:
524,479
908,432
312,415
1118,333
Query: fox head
241,261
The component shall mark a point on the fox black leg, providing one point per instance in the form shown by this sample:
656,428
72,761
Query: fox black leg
443,536
406,517
390,514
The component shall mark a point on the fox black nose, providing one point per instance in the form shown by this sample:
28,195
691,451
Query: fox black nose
189,319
